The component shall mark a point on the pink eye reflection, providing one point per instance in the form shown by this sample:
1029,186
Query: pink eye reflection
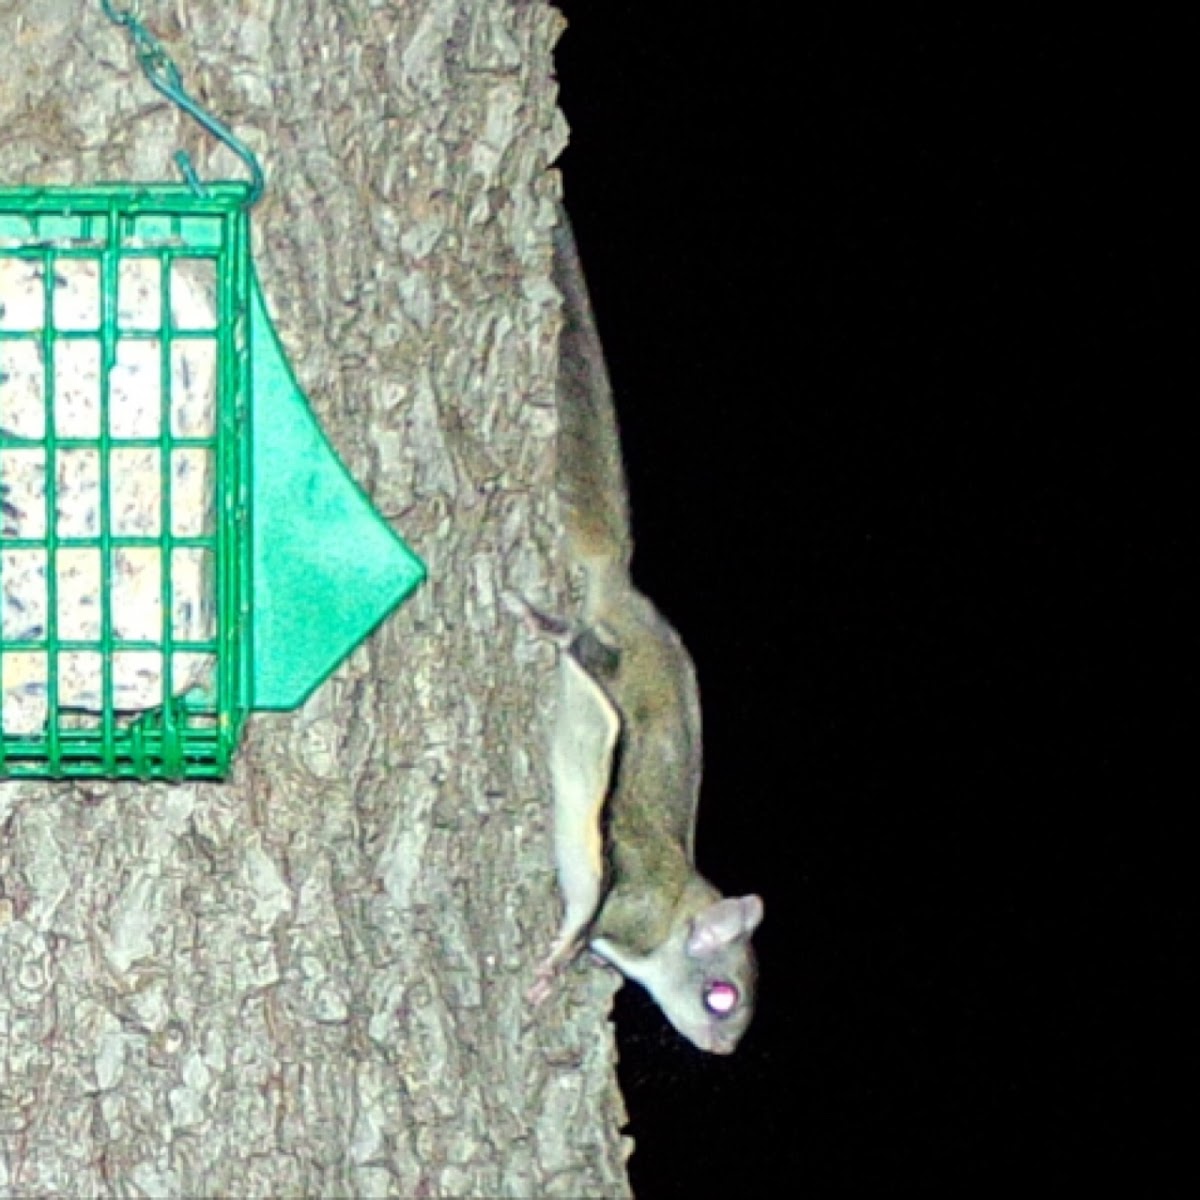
721,999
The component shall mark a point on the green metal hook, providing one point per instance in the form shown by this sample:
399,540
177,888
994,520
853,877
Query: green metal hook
165,78
119,15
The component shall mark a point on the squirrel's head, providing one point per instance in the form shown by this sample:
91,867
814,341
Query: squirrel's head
703,975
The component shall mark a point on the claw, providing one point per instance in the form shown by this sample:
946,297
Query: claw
541,987
565,949
536,621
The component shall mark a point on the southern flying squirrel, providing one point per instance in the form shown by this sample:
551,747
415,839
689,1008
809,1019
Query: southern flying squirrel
625,753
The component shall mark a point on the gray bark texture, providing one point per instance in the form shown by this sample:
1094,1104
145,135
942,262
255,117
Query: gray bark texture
308,981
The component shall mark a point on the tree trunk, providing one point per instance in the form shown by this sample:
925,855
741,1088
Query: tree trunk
309,980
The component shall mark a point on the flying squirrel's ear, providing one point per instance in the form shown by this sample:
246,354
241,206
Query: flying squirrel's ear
723,923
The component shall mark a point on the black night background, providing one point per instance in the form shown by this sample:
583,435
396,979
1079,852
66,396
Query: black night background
887,300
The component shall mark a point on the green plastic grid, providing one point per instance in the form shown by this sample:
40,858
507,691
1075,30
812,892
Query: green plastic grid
194,735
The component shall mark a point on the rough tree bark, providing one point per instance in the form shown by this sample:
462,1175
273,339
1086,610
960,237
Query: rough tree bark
308,980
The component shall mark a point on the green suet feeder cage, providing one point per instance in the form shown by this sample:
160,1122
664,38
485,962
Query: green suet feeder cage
180,544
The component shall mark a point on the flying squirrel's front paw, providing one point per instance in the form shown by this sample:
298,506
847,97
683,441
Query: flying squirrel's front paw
536,621
539,991
563,951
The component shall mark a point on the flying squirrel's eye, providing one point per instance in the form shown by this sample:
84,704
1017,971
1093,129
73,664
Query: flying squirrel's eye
721,998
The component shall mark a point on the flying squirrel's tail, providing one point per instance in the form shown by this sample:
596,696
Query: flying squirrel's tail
590,478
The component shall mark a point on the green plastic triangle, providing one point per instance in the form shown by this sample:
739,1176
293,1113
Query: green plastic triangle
327,567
